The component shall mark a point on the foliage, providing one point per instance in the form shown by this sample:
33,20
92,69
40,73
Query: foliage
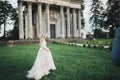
111,32
7,12
112,16
96,11
108,42
72,63
82,20
97,15
113,13
15,32
100,33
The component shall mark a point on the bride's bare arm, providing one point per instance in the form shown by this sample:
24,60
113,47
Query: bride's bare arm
43,47
46,49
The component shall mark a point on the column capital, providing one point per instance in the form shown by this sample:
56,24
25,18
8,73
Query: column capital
68,7
74,9
30,3
47,4
78,10
20,3
62,6
39,3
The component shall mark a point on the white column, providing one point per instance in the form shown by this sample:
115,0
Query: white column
79,23
48,20
26,24
30,21
37,26
40,19
21,29
68,22
62,22
74,23
71,25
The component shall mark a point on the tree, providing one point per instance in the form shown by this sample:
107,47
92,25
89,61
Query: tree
82,20
112,15
15,32
100,33
6,12
97,15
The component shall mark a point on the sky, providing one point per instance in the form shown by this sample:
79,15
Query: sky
86,12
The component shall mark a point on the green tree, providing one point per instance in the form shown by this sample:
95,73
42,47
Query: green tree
96,18
82,20
6,12
15,32
112,15
100,33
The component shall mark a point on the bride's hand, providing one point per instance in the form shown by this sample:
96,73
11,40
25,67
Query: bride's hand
47,49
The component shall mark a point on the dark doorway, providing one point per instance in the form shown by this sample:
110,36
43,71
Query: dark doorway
52,31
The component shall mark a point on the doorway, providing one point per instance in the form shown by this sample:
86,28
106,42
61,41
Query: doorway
52,31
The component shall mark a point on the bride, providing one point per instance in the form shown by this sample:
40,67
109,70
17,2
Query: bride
43,62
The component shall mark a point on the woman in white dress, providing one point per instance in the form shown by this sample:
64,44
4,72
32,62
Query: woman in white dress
43,62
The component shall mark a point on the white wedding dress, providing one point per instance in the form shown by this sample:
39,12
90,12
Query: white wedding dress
43,63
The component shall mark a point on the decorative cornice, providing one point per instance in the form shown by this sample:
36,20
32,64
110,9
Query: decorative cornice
66,3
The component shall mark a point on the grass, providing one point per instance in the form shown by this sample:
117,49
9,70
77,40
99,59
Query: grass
73,63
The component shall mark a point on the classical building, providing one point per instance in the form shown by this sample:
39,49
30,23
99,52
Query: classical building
56,18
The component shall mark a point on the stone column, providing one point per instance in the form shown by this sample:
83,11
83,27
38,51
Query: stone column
30,20
48,20
62,22
26,24
74,23
68,22
40,19
37,26
21,29
79,23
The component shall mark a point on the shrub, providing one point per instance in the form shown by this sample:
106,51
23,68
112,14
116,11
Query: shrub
53,41
75,45
94,46
110,47
84,45
89,46
100,46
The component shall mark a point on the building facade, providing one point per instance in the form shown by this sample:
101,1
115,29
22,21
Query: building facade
55,18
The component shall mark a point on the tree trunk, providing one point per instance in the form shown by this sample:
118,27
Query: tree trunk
4,36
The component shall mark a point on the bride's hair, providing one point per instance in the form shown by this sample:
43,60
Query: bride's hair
42,37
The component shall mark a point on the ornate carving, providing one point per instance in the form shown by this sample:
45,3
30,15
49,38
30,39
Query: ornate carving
53,16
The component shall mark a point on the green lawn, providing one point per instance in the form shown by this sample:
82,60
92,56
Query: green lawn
72,63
